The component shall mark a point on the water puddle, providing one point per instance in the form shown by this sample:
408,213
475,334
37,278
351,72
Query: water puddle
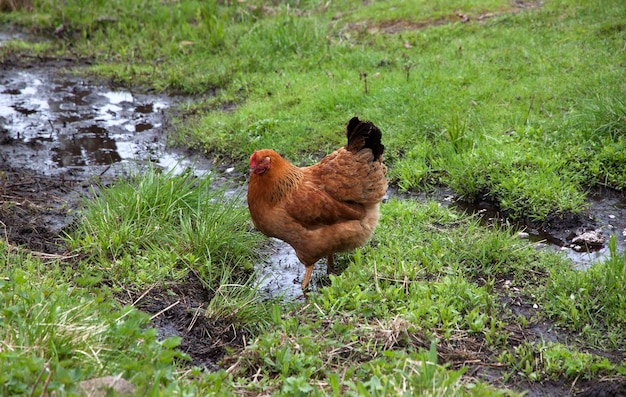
67,126
6,36
605,218
281,273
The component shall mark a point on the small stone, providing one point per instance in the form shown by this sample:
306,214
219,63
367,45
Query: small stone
523,235
611,216
97,387
592,238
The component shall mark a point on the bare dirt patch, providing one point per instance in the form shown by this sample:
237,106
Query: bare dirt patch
35,208
179,310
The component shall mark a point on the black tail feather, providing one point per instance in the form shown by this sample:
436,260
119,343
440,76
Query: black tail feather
364,134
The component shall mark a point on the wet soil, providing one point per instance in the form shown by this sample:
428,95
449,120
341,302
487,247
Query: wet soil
34,211
61,124
605,214
281,272
60,132
179,310
34,208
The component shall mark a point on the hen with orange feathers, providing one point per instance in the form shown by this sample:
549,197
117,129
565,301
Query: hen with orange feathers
329,207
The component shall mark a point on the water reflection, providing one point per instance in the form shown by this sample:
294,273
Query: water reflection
85,150
81,123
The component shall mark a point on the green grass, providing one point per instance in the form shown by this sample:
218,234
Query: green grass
63,324
430,278
56,334
351,364
389,324
589,303
548,360
155,226
523,106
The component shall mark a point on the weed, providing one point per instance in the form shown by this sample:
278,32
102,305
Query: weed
456,132
541,361
600,117
240,304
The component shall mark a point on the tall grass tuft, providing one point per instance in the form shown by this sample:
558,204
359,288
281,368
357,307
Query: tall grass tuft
601,117
156,226
240,304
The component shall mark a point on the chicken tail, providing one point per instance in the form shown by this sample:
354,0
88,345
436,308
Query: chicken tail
364,134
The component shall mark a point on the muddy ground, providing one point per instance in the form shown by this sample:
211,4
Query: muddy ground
59,133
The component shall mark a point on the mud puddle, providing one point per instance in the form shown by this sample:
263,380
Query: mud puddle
281,272
583,238
67,126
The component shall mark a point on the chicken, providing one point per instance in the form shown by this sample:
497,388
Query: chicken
329,207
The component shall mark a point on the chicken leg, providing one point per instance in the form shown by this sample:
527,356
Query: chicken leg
330,269
308,270
330,264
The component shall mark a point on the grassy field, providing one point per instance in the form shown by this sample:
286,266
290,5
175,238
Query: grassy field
521,105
